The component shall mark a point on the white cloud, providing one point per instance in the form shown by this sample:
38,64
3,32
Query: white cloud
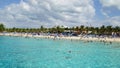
113,21
111,3
105,13
107,10
33,13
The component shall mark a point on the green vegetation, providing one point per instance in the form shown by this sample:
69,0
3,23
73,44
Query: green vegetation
59,29
2,27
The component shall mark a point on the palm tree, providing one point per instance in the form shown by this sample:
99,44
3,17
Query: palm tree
77,28
116,29
109,30
102,29
2,27
96,30
82,27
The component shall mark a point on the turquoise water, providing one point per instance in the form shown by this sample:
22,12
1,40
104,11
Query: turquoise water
17,52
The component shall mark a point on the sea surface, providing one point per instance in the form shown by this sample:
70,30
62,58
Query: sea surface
19,52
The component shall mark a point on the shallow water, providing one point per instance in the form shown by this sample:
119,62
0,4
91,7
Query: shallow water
17,52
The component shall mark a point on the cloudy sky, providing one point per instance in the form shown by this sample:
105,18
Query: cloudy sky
49,13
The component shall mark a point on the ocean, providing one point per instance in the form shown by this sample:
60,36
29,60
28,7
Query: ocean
20,52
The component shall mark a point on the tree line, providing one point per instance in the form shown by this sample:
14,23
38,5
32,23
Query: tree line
59,29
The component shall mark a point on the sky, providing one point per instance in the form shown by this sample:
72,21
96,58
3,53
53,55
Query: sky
50,13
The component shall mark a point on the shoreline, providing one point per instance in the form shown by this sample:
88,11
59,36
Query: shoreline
105,39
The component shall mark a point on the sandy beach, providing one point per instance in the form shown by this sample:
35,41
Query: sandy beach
105,39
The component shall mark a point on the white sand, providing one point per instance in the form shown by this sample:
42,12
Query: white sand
106,39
